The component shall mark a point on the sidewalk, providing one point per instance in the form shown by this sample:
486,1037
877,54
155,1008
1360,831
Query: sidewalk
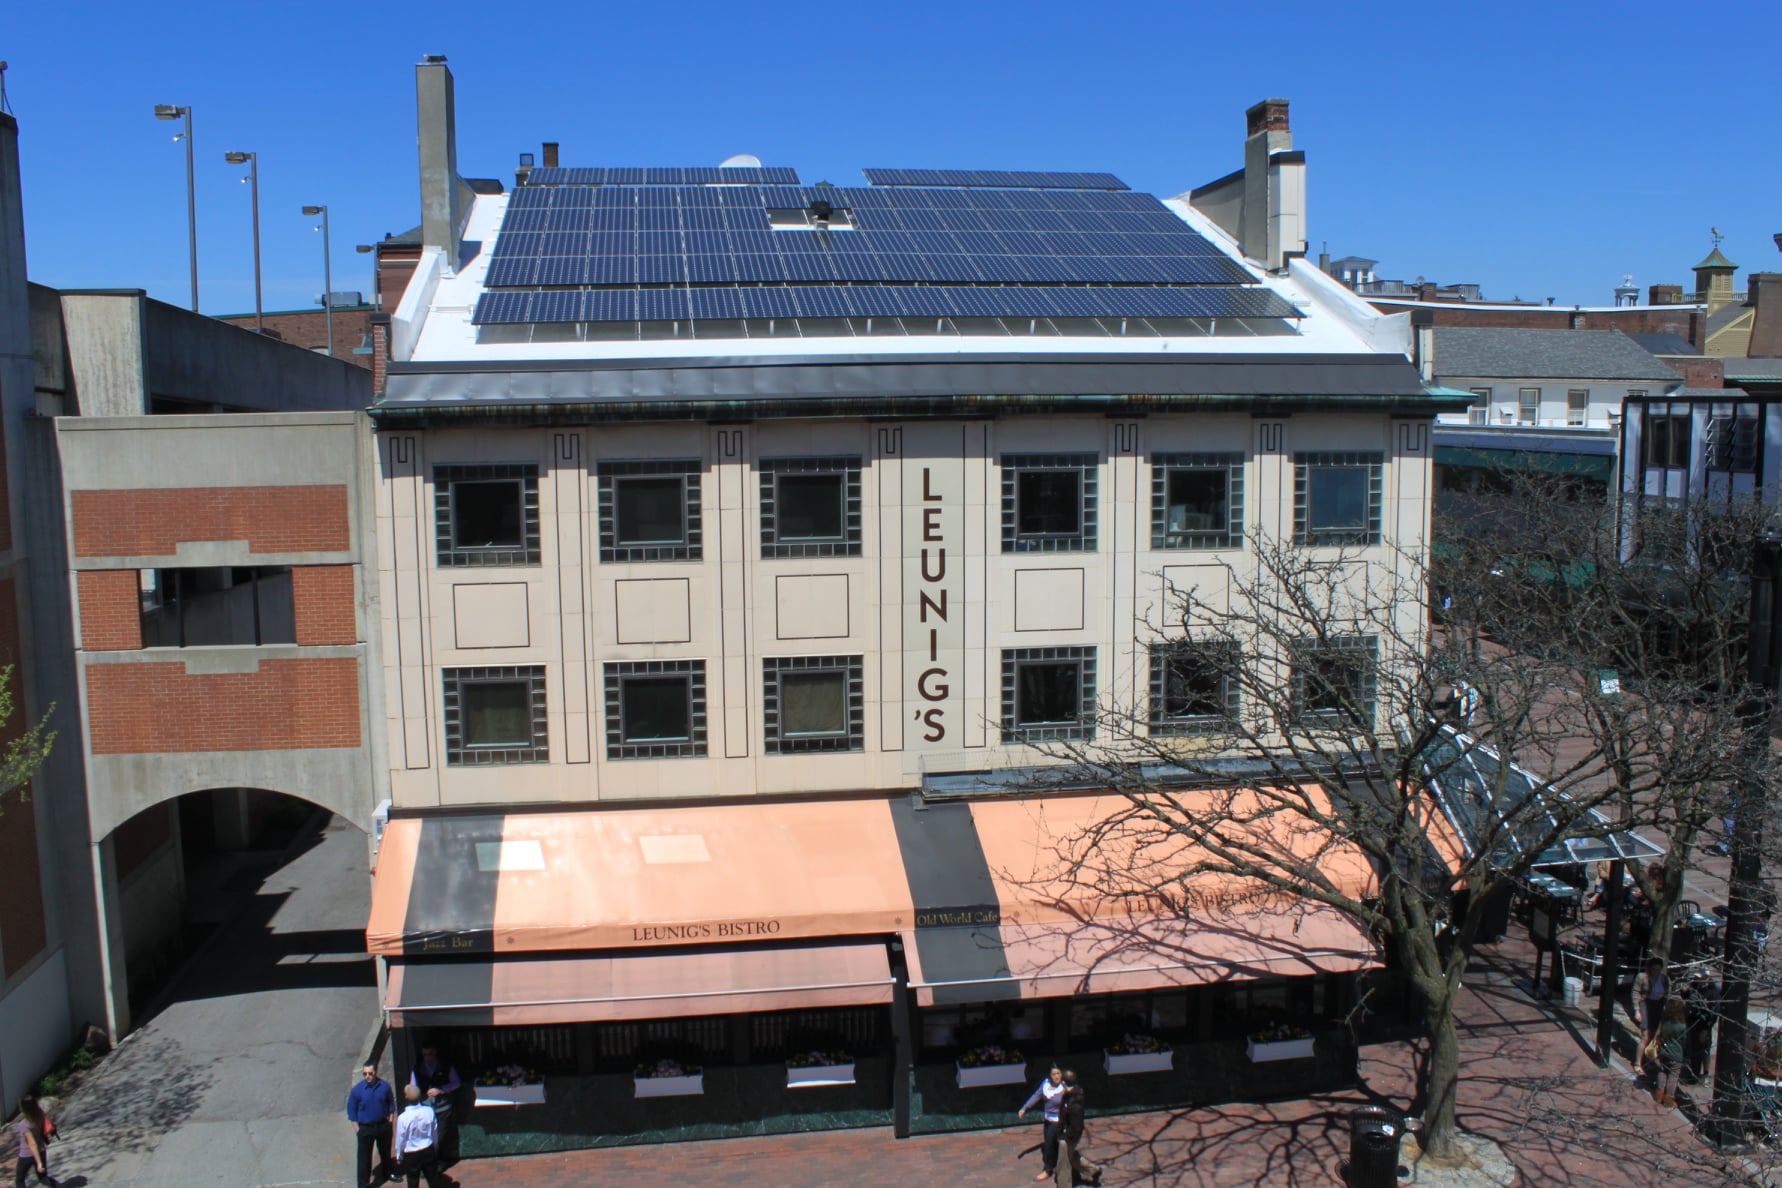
1529,1083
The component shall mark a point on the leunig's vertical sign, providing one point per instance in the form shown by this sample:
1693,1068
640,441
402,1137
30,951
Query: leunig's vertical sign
934,602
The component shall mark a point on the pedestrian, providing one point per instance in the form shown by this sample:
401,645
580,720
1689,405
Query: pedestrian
417,1146
1673,1031
1651,988
34,1129
371,1108
438,1080
1050,1097
1701,999
1080,1168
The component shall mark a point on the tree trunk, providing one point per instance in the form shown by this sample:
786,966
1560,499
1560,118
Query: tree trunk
1437,1137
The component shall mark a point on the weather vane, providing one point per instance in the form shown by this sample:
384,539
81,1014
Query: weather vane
1715,232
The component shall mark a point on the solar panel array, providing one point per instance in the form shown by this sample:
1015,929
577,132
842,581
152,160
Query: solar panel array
1008,179
622,246
688,176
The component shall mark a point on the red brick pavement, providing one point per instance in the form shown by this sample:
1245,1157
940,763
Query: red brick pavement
1529,1083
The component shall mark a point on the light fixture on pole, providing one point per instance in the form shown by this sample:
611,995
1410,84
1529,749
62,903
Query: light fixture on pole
252,161
170,111
377,293
327,274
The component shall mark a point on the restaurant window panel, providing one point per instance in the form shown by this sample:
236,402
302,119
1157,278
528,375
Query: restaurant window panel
810,507
495,716
486,515
1197,501
649,511
1049,503
1334,682
1337,498
814,703
655,709
1048,693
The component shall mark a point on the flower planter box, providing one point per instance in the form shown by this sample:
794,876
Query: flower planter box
1120,1064
1293,1049
819,1074
990,1074
692,1086
510,1095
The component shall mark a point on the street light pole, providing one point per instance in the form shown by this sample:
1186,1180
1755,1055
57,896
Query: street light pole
252,161
170,111
327,275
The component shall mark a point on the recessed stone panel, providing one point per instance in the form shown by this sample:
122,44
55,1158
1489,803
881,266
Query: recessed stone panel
491,615
652,611
811,606
1048,600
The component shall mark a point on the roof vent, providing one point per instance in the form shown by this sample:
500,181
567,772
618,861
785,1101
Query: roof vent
820,212
741,161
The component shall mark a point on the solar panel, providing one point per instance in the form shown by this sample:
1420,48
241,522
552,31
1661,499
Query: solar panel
662,176
994,179
837,301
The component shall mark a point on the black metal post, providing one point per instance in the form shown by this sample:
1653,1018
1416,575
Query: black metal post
1615,895
1745,903
903,1061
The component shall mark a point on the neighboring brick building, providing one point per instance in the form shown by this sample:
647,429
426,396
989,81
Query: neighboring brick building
308,328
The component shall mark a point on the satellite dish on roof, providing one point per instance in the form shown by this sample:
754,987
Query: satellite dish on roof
741,161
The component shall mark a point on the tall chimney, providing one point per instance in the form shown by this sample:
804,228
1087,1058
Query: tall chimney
1765,293
445,199
550,154
1272,222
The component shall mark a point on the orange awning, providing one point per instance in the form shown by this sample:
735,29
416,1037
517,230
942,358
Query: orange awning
641,986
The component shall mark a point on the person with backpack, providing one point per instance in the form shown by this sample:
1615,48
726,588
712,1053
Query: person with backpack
35,1131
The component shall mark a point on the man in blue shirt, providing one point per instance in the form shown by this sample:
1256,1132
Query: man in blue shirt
371,1108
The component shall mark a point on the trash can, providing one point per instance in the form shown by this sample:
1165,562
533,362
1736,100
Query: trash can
1574,991
1374,1137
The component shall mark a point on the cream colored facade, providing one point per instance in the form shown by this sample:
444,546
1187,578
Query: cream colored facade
929,604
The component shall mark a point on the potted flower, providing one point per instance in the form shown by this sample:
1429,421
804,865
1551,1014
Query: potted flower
990,1064
668,1078
1280,1041
819,1068
509,1084
1137,1053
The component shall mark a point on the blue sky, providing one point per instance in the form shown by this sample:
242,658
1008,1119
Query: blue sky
1542,150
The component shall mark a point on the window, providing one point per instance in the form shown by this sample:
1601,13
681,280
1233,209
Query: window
1480,413
217,606
813,703
1336,498
649,511
655,709
1577,406
486,515
1048,503
1667,440
495,715
1193,685
1048,693
1334,682
1528,406
1732,442
1197,501
810,507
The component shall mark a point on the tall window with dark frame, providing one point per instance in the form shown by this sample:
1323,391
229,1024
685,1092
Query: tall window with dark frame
1048,693
813,703
1197,501
1049,503
810,507
486,515
495,716
1668,438
1194,685
1337,498
1335,682
1732,445
649,511
655,709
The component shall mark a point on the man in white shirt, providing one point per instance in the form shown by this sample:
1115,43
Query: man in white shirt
417,1153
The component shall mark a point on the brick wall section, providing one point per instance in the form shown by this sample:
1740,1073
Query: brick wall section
1698,371
323,599
308,328
153,523
23,933
135,709
110,610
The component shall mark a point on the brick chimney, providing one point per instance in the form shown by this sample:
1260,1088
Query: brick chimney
550,154
1664,295
1764,291
445,199
1272,221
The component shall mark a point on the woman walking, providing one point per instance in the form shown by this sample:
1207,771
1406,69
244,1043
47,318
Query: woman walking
1651,989
1080,1169
1673,1033
33,1135
1050,1096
